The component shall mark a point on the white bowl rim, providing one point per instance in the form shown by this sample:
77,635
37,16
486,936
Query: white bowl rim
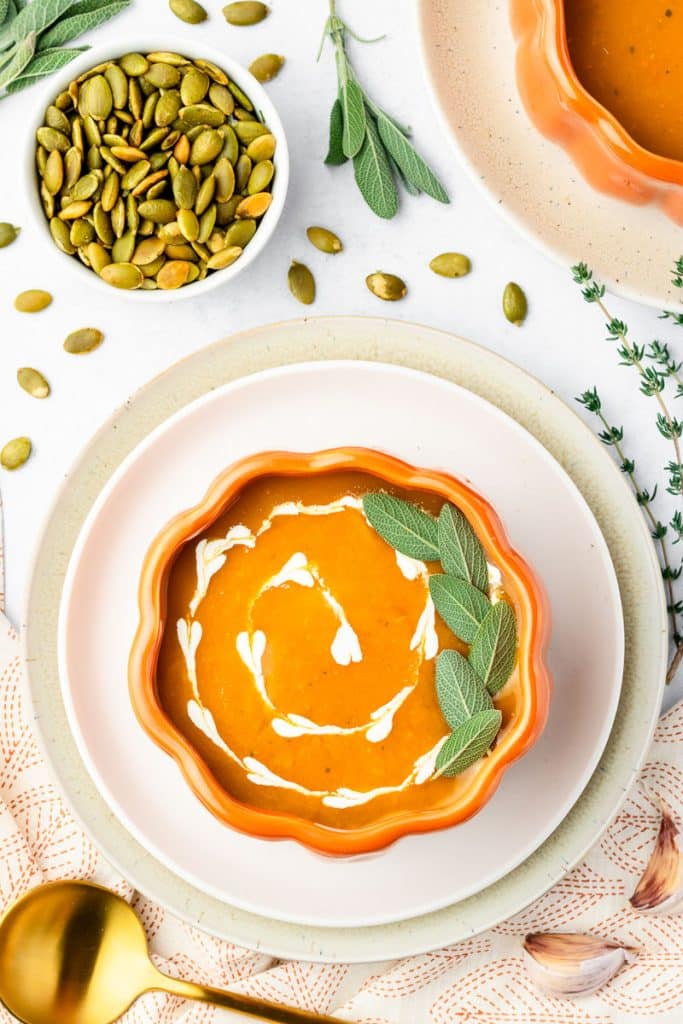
166,42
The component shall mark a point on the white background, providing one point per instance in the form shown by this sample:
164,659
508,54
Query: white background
562,341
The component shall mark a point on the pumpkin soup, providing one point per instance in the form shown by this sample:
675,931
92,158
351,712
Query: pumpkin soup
629,57
299,650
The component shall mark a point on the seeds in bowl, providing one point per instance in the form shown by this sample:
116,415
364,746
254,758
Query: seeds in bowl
154,170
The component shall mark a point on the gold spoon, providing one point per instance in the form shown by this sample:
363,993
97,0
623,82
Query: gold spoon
75,953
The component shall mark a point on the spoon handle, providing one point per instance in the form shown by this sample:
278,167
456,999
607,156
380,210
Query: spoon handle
247,1005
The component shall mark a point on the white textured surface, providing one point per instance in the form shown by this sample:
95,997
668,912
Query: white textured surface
561,341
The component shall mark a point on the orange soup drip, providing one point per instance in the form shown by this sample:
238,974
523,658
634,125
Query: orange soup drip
628,54
320,571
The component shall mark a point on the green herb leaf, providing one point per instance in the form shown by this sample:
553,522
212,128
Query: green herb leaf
373,174
402,525
20,58
408,186
462,606
492,654
44,64
4,8
460,691
80,21
468,743
412,166
335,153
353,116
36,17
460,549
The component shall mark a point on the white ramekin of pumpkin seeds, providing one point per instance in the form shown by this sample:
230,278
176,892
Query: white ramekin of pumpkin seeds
159,169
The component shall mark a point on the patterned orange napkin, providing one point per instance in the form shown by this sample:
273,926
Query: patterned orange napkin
480,981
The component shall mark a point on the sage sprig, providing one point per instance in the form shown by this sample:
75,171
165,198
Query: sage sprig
378,145
659,379
33,36
464,685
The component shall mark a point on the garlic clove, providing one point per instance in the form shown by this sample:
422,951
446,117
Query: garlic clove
568,964
660,889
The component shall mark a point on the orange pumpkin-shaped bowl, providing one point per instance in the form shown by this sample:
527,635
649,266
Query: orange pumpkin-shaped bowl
522,590
604,152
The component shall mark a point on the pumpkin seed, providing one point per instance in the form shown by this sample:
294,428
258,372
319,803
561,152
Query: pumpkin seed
123,248
134,64
32,301
386,286
189,225
8,234
159,211
324,239
261,177
254,205
184,187
95,98
262,148
514,304
215,73
247,131
266,67
207,222
61,236
147,251
122,275
73,164
205,194
85,187
167,57
98,256
118,83
224,178
188,10
301,283
243,169
451,264
83,340
222,98
231,146
241,97
52,138
102,222
153,268
245,12
173,274
53,176
182,251
48,201
224,257
56,118
118,217
82,232
240,233
33,382
194,86
206,147
15,453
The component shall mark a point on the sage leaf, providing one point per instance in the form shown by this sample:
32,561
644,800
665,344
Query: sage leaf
353,116
402,525
335,153
460,550
373,175
493,650
75,24
408,186
44,64
35,17
468,743
20,58
462,606
4,8
459,690
412,166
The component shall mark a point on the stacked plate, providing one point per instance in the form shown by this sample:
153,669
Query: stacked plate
498,429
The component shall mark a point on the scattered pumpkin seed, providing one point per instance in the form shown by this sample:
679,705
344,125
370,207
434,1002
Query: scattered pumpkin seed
324,239
245,12
15,453
451,264
33,382
386,286
188,10
83,340
8,234
32,301
266,67
301,283
514,304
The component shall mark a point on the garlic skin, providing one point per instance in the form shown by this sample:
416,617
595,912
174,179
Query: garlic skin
569,964
660,889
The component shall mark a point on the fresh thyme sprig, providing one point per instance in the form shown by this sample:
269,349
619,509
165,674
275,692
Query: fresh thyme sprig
378,145
655,367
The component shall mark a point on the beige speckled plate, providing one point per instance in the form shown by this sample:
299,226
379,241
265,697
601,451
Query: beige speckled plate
469,56
563,434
